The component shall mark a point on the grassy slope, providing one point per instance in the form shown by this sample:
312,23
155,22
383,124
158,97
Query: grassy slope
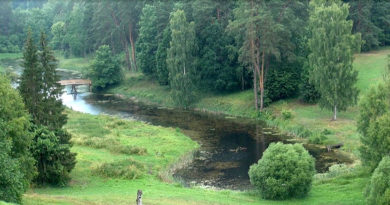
371,67
86,188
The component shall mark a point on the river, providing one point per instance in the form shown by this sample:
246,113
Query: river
228,146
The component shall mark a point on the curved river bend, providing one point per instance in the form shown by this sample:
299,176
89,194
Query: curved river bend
228,145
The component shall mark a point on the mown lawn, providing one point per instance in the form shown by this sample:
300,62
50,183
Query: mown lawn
164,146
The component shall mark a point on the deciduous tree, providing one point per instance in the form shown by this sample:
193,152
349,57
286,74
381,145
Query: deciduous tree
332,47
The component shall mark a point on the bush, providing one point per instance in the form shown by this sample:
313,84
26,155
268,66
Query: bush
54,160
125,169
374,126
378,189
284,171
11,179
286,114
282,80
105,69
16,164
308,92
317,138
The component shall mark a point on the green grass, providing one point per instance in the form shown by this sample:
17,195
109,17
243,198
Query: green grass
165,146
144,89
9,56
371,67
75,64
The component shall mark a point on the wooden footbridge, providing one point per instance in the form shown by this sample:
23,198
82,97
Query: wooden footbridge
76,82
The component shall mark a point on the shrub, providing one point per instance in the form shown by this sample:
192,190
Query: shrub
308,92
54,160
284,171
16,163
374,126
125,169
317,138
11,178
286,114
378,189
105,69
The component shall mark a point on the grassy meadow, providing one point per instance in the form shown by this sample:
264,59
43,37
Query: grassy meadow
103,140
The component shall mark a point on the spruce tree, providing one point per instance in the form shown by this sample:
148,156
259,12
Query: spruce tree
41,92
31,80
181,59
53,116
332,47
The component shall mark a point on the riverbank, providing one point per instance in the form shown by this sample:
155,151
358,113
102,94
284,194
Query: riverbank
152,149
306,121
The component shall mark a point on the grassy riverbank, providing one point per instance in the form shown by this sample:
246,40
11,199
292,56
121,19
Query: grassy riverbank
371,67
107,140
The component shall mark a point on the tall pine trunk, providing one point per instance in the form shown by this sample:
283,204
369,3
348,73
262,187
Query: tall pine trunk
262,83
132,46
255,89
123,39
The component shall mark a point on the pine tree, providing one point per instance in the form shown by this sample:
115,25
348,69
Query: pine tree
332,46
181,59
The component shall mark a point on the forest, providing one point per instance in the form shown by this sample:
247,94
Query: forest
195,101
139,34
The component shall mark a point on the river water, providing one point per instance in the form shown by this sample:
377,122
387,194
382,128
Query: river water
228,146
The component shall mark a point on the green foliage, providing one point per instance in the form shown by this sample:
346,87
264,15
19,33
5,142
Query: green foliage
58,32
161,57
11,178
125,169
360,12
39,85
52,115
308,92
284,171
16,164
378,189
54,159
332,46
373,124
283,80
147,41
317,138
287,114
31,80
181,59
105,69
